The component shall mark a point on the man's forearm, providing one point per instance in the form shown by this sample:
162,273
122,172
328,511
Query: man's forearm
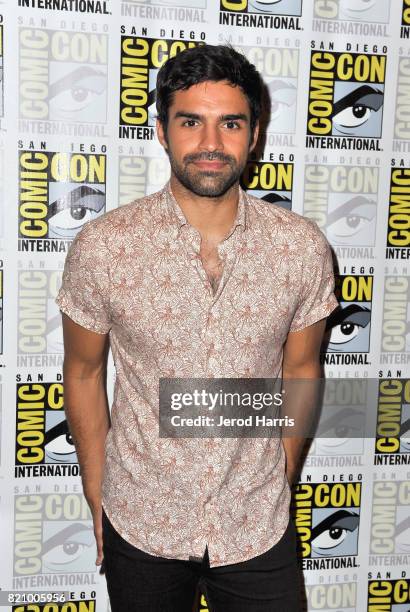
300,401
87,414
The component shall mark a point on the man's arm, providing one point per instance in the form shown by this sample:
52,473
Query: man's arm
87,411
300,361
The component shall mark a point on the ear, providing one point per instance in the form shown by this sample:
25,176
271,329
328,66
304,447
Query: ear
254,137
161,134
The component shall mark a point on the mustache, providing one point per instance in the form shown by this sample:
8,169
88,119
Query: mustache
211,156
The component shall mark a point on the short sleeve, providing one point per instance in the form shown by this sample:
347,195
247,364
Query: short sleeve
317,299
84,293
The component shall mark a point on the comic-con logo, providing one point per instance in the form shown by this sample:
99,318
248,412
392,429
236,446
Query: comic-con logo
71,605
38,318
283,14
405,20
53,534
340,597
402,110
346,94
340,429
342,200
327,517
58,194
203,606
139,176
395,322
398,224
376,11
141,59
63,78
388,595
390,516
269,181
279,69
347,335
44,446
393,422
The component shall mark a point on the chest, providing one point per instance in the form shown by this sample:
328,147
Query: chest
163,298
211,261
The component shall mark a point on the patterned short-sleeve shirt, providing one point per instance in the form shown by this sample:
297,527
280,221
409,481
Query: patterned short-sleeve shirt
136,274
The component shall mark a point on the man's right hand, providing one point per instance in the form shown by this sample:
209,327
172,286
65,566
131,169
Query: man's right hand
97,521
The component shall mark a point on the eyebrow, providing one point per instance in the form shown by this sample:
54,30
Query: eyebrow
230,117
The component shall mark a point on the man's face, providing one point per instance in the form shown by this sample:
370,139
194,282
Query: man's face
208,138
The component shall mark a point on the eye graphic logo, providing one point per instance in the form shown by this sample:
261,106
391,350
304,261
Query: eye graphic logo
393,417
63,76
332,597
269,181
42,434
141,59
396,319
139,176
59,193
341,426
390,526
342,200
346,94
57,531
376,11
267,7
327,520
348,327
39,319
393,595
398,231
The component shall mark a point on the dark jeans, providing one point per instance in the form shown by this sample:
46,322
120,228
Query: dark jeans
139,582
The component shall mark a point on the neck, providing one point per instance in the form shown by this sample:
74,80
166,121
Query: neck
210,216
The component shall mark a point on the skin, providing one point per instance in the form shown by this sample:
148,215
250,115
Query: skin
217,141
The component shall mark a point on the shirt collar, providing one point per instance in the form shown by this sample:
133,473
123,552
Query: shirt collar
178,217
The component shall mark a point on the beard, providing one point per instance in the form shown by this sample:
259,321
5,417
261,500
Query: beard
211,184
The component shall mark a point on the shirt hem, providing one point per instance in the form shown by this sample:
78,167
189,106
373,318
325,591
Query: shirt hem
320,312
186,557
78,317
243,559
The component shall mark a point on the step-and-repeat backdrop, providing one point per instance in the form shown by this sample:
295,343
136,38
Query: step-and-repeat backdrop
77,139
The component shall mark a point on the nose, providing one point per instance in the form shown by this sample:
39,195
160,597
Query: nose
211,139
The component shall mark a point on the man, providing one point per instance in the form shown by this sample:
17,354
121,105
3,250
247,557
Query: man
198,280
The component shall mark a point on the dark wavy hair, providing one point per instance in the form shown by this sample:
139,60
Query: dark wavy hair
208,63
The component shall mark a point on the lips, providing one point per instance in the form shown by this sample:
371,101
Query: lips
210,165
